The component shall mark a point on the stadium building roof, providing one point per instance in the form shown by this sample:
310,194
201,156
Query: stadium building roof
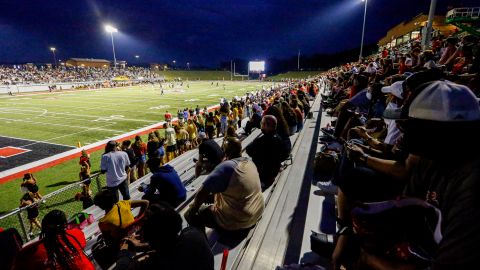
411,29
89,60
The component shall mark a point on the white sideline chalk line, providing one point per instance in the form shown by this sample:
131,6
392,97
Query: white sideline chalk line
36,141
40,162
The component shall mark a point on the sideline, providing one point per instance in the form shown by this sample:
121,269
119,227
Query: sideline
17,172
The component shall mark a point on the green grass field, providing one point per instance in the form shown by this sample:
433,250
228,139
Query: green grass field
294,75
88,116
195,75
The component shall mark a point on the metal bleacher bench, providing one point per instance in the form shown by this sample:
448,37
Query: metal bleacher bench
241,251
184,166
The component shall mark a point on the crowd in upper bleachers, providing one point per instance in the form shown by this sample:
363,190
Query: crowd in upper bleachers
28,74
230,200
405,148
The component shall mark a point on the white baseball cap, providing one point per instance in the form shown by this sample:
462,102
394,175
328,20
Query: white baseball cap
445,101
395,89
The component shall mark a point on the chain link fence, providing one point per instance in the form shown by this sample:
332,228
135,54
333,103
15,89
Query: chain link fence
62,199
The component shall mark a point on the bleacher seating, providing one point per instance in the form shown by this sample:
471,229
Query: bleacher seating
240,250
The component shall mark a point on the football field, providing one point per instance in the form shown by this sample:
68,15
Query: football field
88,116
38,125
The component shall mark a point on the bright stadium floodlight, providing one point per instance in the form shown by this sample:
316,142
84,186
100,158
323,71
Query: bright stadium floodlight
110,29
137,56
53,49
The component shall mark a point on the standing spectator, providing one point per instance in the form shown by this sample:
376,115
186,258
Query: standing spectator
192,133
126,147
152,145
170,141
210,125
116,165
238,203
30,184
162,230
29,200
85,171
165,184
58,248
140,150
168,117
268,152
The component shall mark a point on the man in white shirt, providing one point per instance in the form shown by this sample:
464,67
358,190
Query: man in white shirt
116,166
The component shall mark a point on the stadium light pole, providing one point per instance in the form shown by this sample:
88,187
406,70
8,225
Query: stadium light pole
298,61
174,61
363,30
110,29
431,15
188,65
53,49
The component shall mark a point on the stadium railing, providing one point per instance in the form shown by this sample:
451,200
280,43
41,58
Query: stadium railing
63,198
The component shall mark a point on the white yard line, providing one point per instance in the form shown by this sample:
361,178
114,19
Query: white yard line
35,141
60,125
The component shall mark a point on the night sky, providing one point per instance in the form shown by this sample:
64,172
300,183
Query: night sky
203,32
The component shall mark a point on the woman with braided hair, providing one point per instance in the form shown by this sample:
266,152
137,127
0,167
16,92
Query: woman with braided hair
58,248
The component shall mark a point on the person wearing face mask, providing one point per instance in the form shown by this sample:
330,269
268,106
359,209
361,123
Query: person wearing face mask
395,92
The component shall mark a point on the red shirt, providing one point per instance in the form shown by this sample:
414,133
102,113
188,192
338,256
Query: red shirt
168,116
139,150
34,256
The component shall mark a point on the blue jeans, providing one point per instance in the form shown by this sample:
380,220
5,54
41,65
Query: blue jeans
123,188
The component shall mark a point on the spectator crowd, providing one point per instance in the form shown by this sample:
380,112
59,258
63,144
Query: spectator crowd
46,75
230,200
404,145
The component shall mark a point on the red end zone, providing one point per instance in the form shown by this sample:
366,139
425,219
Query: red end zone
60,158
10,151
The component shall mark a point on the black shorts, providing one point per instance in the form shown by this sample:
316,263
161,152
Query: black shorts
171,148
181,142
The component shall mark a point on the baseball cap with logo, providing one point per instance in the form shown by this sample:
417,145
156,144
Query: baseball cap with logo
445,101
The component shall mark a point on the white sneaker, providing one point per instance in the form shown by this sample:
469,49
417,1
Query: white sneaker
328,188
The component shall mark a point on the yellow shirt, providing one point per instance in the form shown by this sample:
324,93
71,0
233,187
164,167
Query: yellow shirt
113,218
192,131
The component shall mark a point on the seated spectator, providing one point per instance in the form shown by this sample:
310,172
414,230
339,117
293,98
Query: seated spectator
443,112
359,102
172,247
116,165
118,215
254,121
210,154
165,184
58,248
238,202
268,152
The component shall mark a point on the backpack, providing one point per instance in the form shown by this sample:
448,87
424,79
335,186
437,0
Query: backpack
404,230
